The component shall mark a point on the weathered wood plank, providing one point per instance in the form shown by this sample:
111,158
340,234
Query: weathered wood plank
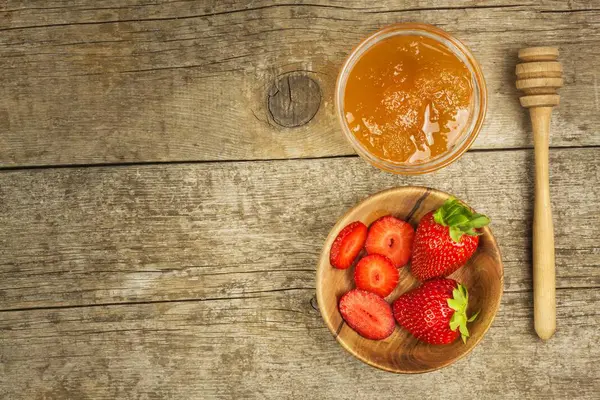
21,14
162,81
275,346
221,230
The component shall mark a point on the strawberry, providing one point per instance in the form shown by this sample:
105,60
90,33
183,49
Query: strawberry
435,312
348,243
445,240
368,314
376,273
391,237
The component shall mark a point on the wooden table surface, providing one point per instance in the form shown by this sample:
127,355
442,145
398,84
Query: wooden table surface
169,171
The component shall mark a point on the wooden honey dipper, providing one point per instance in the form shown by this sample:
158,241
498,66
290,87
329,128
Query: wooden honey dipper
539,76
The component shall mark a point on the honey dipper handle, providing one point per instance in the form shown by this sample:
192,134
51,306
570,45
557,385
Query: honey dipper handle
543,231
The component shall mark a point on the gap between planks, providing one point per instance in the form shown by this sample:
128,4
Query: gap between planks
199,300
191,162
236,11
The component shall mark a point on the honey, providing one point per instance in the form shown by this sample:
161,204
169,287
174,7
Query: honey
408,99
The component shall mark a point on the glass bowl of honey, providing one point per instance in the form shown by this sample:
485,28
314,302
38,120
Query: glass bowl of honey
411,98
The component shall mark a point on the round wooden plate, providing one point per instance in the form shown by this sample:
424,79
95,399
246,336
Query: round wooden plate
401,352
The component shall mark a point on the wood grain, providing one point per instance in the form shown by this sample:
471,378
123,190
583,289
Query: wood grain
137,81
276,346
197,280
401,352
75,236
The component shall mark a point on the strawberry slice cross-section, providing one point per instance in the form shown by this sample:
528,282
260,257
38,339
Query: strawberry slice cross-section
368,314
348,243
391,237
376,273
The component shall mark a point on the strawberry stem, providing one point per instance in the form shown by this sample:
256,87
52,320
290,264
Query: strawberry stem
459,303
459,219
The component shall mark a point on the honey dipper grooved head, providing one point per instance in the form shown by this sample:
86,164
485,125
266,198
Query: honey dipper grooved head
539,76
538,54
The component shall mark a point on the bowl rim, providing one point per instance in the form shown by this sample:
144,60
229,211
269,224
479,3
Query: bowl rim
458,49
325,254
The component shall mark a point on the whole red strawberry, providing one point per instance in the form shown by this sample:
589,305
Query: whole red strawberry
445,240
435,312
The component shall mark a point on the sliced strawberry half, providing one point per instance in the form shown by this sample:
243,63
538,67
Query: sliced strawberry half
391,237
348,243
368,314
376,273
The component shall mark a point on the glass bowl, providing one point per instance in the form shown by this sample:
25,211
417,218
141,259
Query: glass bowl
476,118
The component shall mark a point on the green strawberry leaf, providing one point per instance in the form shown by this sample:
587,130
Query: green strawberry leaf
454,209
458,295
463,330
460,219
472,318
455,304
444,211
438,217
479,221
459,303
455,234
454,322
463,291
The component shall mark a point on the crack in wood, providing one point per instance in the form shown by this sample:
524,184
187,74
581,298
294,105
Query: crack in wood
418,9
314,304
418,204
226,12
569,11
339,329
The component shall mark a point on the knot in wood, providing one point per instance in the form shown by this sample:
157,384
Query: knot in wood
294,99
